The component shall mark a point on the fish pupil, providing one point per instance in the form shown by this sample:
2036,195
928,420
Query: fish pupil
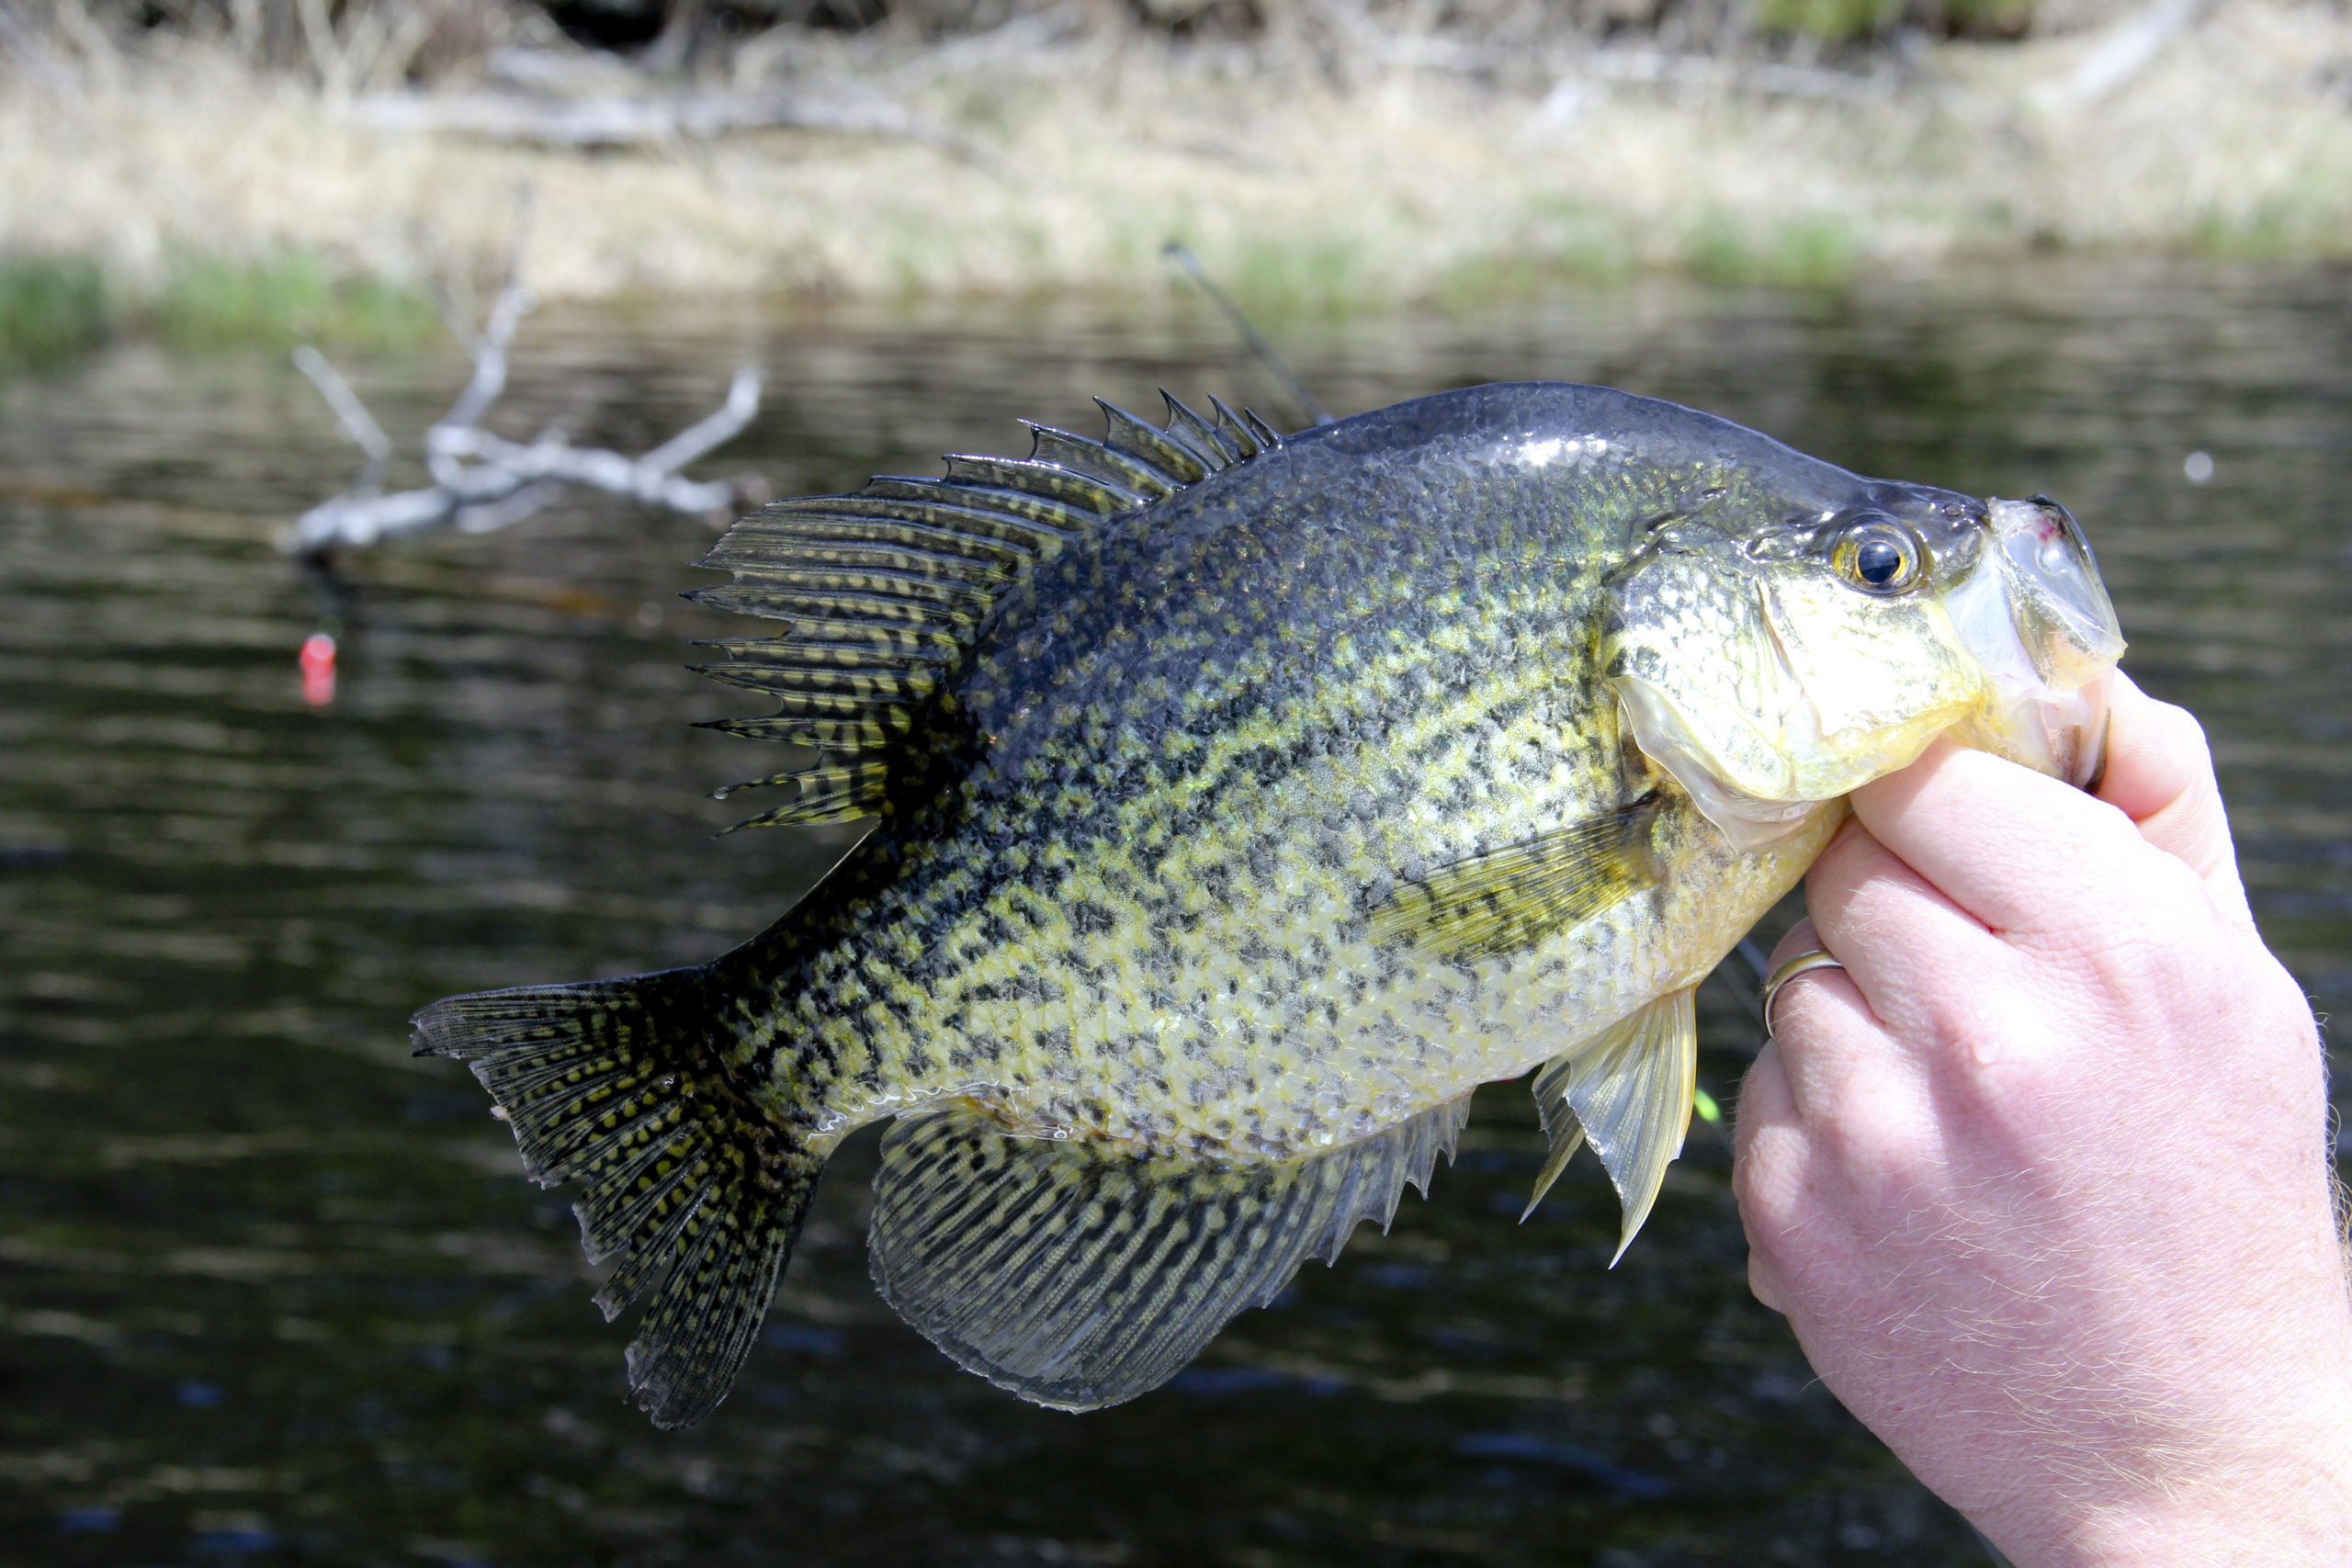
1878,561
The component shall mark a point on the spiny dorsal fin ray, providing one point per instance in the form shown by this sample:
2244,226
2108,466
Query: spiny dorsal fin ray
1240,434
1161,450
879,591
1199,433
1079,1275
1627,1092
1512,900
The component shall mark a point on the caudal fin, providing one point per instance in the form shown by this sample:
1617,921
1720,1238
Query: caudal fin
692,1194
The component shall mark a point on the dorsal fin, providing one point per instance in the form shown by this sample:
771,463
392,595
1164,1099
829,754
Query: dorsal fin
878,592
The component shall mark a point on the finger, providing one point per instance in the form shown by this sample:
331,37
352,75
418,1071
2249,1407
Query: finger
1765,1134
1826,1036
1764,1285
2160,773
2020,852
1913,954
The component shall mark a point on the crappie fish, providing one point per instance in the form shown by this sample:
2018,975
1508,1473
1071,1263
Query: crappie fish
1243,802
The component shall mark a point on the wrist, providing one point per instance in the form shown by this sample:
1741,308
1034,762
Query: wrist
2284,1501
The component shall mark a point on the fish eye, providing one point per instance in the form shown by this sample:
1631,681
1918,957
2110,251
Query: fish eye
1877,553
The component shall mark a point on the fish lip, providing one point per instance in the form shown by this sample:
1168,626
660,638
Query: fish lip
2058,604
2036,614
2074,530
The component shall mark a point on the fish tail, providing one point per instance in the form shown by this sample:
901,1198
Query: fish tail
690,1190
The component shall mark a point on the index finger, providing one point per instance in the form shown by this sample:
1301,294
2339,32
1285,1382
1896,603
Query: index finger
2023,852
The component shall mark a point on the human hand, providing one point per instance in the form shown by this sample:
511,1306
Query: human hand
2041,1179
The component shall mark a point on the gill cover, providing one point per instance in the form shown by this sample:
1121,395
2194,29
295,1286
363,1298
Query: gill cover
1772,674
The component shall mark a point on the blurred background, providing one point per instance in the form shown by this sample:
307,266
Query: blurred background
294,739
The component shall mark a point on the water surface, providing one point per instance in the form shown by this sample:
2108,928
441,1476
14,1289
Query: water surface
273,1293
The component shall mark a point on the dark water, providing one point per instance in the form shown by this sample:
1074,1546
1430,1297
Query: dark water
271,1292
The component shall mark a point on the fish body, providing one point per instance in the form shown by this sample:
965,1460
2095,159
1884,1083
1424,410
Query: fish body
1243,804
1196,750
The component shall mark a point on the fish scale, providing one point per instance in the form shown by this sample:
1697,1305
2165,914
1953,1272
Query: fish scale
1243,803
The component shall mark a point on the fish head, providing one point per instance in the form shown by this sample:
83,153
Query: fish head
1772,666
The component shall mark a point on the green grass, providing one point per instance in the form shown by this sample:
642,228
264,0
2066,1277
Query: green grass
1847,21
1812,249
292,298
49,309
1564,240
1274,282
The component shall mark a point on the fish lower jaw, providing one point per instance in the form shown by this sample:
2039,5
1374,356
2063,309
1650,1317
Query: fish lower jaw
2062,734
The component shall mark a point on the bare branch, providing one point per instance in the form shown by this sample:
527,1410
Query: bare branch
506,312
357,422
490,516
743,402
445,305
489,378
483,483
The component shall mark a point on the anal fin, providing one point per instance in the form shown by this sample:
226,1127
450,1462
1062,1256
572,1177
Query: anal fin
1627,1092
1078,1276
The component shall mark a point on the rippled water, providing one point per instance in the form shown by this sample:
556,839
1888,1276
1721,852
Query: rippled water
271,1292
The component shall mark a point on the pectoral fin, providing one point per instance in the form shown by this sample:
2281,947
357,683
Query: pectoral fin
1628,1092
1512,900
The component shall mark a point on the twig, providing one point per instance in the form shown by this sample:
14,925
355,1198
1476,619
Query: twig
357,422
743,402
481,482
453,318
1182,255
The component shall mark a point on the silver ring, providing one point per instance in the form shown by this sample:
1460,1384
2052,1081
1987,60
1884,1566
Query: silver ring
1790,968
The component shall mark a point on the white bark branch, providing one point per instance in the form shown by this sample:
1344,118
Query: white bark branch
483,481
357,422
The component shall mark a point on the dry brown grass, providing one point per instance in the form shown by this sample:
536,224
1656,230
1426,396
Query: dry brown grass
1304,185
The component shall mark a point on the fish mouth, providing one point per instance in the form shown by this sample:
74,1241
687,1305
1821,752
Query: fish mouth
2037,617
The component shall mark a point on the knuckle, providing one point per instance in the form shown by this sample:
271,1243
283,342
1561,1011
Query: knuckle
2189,731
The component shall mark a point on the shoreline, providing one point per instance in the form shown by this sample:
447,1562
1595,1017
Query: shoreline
1063,168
